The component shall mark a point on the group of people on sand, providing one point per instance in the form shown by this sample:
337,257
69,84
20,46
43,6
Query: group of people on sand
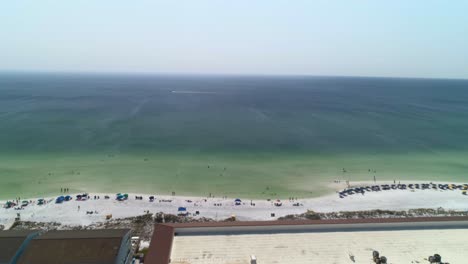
64,190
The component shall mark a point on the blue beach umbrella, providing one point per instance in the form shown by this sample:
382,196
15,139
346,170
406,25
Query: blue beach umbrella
60,199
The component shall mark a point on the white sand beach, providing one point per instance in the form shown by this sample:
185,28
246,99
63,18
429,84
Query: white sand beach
75,212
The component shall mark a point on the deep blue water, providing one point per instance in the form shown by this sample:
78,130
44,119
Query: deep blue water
86,113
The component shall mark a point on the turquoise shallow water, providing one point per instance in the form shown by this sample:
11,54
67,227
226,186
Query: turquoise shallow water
236,136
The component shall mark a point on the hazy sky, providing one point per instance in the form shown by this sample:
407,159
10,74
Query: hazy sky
420,38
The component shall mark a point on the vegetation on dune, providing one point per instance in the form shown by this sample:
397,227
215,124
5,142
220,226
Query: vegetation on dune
420,212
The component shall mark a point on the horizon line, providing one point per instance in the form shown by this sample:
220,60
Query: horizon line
219,74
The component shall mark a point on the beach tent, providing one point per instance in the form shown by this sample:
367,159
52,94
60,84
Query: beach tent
278,203
24,203
40,201
59,199
182,211
68,198
10,204
121,197
238,201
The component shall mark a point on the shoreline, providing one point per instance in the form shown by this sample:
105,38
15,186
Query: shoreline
328,188
258,176
75,213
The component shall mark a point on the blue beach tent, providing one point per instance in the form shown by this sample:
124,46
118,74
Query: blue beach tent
182,211
60,199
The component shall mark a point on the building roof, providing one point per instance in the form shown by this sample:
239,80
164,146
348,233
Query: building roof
316,222
161,247
10,244
75,247
399,246
88,234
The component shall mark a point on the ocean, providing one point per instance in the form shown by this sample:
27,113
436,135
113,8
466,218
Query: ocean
246,136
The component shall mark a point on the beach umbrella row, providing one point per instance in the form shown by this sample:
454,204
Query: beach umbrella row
10,204
62,199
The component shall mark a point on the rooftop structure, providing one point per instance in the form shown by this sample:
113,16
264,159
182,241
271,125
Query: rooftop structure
77,247
12,243
400,240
